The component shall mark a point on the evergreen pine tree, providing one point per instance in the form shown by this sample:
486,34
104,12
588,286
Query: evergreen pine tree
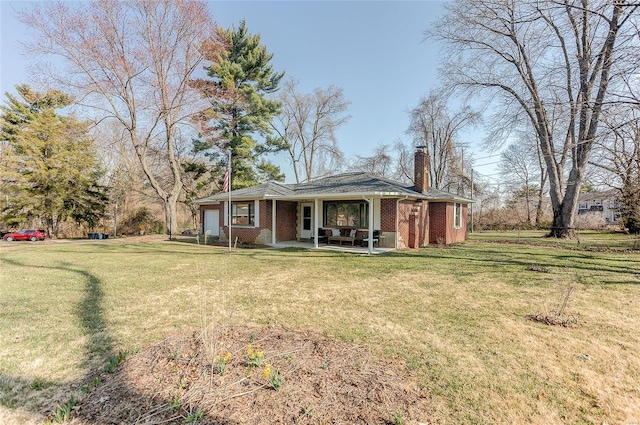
240,80
49,170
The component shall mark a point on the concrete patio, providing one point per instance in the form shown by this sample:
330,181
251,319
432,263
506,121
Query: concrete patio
333,247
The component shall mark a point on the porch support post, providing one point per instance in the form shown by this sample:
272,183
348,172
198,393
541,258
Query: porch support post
273,222
316,220
370,201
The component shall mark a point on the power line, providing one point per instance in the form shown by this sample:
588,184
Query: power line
485,157
489,175
488,163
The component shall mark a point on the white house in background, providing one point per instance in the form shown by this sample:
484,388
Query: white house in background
603,205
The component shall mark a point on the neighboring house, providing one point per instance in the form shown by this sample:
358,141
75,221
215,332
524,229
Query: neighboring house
603,205
403,216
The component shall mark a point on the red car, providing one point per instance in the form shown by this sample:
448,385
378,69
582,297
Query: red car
26,235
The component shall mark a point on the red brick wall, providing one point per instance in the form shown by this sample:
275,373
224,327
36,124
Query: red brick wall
411,232
266,208
414,230
404,211
421,170
244,234
441,226
459,235
287,220
418,224
431,221
387,215
437,222
423,227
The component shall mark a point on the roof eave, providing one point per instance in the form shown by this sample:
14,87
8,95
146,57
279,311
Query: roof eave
214,200
459,199
206,201
345,195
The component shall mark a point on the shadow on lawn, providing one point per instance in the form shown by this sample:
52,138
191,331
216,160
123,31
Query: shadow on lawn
30,393
90,313
483,258
158,248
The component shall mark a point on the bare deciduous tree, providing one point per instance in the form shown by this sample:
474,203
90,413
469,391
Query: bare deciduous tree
433,125
619,157
404,162
381,163
131,61
518,172
394,162
553,62
523,171
307,127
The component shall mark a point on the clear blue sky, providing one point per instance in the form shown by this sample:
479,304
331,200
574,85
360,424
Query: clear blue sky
373,50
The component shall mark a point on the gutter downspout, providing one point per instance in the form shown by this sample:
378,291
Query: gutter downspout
316,221
273,222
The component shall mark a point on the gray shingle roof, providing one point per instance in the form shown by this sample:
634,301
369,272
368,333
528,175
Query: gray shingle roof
261,191
345,185
358,182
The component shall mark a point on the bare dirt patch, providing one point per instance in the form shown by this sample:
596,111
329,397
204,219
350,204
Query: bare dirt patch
229,376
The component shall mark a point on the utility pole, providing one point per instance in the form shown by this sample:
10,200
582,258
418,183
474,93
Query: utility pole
461,181
472,199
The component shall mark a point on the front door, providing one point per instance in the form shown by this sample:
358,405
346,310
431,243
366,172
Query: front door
306,221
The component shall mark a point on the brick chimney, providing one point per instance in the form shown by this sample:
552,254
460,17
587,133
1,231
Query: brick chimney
421,169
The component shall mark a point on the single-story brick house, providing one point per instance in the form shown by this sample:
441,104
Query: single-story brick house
402,216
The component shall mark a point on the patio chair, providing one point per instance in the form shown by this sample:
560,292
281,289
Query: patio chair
376,238
322,235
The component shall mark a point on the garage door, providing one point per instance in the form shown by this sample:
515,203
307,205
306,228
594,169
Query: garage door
212,222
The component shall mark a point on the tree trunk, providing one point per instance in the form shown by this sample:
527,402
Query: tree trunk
539,204
539,211
563,225
171,214
527,200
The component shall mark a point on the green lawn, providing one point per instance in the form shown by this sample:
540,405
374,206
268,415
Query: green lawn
586,239
457,316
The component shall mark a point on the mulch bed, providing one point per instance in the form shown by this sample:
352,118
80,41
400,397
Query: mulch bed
324,381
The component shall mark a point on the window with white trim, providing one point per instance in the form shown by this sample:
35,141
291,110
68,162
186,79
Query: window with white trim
457,215
346,214
243,213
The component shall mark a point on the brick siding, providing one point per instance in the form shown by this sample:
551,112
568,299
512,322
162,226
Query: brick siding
419,223
388,215
286,215
404,212
441,224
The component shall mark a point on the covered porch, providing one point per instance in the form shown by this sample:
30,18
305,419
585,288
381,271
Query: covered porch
312,217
